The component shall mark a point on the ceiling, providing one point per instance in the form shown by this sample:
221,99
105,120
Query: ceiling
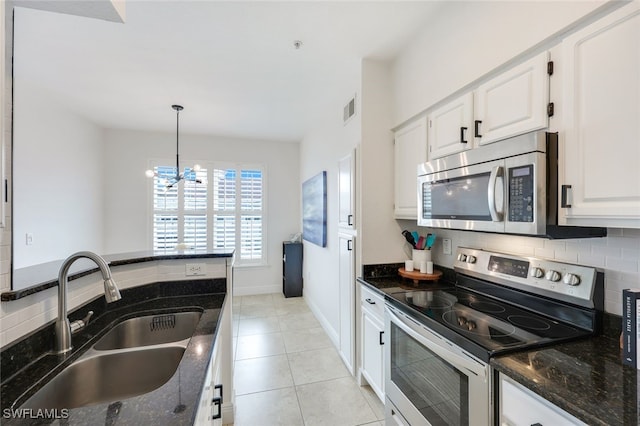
231,64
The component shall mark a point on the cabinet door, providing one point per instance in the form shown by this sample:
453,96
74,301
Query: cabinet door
601,99
410,150
513,103
347,299
372,352
451,127
346,191
521,407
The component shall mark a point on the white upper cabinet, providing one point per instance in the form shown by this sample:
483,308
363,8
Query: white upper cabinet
410,149
451,127
513,103
346,191
600,163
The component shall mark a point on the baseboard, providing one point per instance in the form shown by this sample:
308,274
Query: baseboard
228,413
253,290
333,335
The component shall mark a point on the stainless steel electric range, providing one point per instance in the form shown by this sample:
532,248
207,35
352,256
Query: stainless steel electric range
442,338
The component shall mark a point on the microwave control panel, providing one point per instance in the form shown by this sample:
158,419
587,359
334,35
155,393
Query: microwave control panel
521,194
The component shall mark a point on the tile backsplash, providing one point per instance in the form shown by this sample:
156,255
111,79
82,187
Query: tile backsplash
617,255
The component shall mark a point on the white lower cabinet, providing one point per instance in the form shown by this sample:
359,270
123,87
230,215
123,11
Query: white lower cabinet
372,342
521,407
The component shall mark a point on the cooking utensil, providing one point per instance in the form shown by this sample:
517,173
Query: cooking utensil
407,236
421,243
431,238
415,235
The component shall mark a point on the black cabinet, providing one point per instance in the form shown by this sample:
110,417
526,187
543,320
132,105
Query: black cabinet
291,269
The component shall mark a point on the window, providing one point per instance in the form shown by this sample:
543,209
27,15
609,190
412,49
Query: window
179,211
216,208
238,200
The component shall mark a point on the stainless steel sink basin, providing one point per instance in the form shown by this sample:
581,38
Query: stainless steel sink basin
110,376
150,330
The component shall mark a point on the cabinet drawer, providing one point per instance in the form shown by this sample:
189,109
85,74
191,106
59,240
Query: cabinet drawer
372,302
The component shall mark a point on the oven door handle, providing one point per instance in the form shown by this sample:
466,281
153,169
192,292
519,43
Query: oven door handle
456,358
496,172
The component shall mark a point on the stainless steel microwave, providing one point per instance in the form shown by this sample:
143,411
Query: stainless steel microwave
508,187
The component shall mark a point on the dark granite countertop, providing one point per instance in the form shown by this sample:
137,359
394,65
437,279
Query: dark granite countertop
586,378
26,365
32,279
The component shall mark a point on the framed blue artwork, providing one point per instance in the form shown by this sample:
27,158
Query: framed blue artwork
314,209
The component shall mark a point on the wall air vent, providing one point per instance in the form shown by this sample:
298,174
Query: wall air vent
349,110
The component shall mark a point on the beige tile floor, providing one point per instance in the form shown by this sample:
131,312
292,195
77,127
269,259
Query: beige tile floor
287,371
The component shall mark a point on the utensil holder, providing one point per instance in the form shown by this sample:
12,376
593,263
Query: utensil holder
420,256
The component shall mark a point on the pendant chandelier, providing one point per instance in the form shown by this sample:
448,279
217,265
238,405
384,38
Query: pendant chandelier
173,180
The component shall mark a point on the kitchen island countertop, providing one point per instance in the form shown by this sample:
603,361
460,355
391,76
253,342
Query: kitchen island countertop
173,403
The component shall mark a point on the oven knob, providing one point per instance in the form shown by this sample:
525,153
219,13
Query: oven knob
536,272
471,259
462,257
571,279
553,276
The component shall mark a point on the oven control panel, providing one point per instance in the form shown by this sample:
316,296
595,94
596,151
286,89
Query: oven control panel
564,281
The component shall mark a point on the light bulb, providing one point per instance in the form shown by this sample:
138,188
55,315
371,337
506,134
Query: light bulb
150,173
196,167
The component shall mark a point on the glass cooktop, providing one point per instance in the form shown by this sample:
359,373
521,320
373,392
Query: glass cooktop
482,325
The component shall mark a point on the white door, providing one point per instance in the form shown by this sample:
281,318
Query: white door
513,103
410,149
346,191
347,299
451,127
601,99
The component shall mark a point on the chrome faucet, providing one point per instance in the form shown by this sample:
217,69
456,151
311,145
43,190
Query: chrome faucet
111,293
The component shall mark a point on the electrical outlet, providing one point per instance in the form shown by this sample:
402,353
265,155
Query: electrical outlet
29,239
446,246
193,269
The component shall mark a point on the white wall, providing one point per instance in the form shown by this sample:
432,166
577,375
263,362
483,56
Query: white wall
57,163
494,33
322,147
127,191
380,235
6,29
467,39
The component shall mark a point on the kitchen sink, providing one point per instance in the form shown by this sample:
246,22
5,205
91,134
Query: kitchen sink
135,357
108,376
150,330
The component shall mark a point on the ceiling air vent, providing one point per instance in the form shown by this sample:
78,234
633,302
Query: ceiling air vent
349,110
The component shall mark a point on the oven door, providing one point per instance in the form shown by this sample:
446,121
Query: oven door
431,381
468,197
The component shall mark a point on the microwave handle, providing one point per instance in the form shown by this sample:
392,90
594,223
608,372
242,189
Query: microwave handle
496,172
